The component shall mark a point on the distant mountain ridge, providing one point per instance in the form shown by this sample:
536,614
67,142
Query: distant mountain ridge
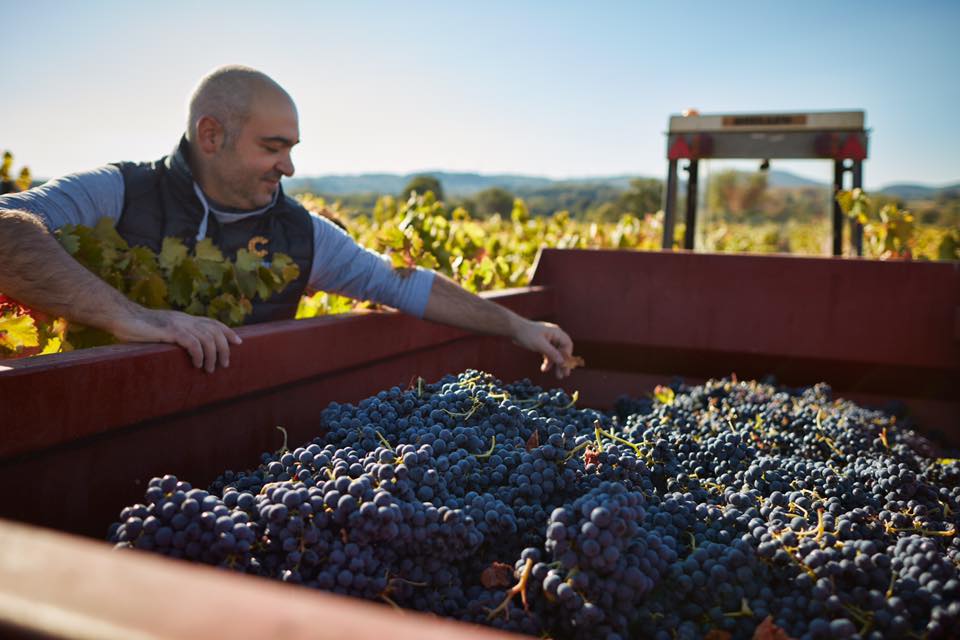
467,184
454,184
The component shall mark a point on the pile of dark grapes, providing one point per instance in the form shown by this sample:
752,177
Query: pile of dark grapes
700,511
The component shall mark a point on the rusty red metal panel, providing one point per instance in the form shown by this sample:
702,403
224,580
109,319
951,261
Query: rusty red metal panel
898,313
91,479
59,586
884,330
47,401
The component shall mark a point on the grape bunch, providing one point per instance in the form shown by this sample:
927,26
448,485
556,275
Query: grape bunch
715,510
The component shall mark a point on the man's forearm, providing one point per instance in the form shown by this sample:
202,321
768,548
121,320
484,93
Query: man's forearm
36,271
450,304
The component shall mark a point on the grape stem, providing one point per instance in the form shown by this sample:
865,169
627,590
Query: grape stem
521,588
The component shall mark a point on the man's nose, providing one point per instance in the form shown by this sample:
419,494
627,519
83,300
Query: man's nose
285,165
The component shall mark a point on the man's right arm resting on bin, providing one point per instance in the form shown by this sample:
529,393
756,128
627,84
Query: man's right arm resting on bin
38,272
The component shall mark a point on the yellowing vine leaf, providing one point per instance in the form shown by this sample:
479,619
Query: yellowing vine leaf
18,331
206,250
172,253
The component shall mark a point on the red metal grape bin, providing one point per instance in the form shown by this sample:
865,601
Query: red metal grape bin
83,432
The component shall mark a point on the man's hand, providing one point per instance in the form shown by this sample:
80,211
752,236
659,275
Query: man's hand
205,339
451,304
547,339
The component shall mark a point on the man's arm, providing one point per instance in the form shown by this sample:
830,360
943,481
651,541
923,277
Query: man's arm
451,304
342,266
39,273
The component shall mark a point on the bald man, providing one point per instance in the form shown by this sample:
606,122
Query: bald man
223,182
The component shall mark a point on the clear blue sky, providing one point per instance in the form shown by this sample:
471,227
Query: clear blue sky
548,88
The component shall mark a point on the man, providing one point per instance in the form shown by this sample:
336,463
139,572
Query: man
223,182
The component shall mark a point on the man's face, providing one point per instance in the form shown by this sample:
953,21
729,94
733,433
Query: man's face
249,170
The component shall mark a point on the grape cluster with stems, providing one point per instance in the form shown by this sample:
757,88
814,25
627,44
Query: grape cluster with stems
700,511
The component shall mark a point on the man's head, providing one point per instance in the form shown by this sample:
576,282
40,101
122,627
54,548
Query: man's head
241,128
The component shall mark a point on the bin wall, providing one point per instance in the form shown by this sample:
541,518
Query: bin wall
876,331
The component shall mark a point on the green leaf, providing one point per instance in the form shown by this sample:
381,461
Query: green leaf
284,266
106,232
196,308
229,310
247,261
150,292
428,261
392,238
398,261
143,261
267,283
246,282
68,239
172,253
184,279
206,250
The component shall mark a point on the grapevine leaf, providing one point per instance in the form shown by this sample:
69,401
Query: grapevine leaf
398,261
68,239
767,630
18,331
150,292
664,395
207,251
285,267
391,237
195,308
533,441
247,261
106,232
53,345
428,261
172,253
229,310
267,283
845,200
183,280
143,261
211,262
499,575
245,272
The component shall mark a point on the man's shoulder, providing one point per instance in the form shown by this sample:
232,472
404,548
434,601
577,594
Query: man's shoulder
138,177
292,203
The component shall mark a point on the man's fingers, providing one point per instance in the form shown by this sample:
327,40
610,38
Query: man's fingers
564,342
223,347
549,351
209,344
190,342
231,334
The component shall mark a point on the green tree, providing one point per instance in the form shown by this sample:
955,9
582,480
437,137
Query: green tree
735,194
421,184
645,195
493,200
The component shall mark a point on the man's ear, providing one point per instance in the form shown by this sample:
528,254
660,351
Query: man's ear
209,135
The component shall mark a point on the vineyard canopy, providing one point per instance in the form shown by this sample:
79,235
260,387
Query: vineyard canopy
837,135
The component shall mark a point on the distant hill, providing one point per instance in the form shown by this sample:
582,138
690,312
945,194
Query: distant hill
778,178
454,184
467,184
919,191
